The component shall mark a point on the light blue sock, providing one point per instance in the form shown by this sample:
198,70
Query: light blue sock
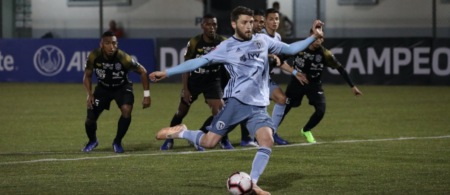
260,163
277,114
193,136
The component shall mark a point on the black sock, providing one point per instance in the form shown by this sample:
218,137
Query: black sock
206,123
316,117
122,129
176,120
245,135
224,139
91,131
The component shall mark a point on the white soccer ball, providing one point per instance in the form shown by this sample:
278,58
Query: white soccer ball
240,183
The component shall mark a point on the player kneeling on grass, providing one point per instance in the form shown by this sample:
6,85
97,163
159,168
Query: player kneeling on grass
245,57
111,66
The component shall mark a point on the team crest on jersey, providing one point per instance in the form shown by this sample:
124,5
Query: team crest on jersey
300,62
118,66
258,44
98,64
200,50
220,125
318,58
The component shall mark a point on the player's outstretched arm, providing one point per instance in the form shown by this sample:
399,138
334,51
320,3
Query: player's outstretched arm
145,84
299,46
184,67
344,75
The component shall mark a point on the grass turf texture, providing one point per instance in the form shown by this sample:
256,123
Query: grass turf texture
46,121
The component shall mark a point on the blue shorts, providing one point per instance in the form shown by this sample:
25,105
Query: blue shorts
234,112
272,87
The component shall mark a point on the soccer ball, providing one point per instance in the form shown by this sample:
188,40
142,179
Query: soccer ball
240,183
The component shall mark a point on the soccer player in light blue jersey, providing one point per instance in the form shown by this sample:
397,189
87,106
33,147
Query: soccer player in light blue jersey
245,56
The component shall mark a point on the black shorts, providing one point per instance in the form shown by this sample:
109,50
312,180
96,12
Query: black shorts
103,98
295,92
212,91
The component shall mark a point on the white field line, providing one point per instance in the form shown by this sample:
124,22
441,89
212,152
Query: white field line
208,151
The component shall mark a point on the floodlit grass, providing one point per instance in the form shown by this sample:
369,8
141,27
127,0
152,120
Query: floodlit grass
46,121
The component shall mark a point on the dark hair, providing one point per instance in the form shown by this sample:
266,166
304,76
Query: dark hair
259,12
271,11
275,4
108,34
240,10
208,16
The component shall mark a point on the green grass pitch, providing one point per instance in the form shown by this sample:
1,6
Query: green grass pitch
42,134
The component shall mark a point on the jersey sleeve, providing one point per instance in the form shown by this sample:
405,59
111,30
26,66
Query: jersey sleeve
273,46
89,64
190,49
218,55
128,62
330,60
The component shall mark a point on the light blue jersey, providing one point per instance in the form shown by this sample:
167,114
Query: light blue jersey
276,37
248,65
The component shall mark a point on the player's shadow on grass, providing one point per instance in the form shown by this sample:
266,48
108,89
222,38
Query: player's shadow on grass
280,181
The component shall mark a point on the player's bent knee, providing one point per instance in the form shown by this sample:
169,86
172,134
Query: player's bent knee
264,137
210,140
209,144
281,100
126,110
320,109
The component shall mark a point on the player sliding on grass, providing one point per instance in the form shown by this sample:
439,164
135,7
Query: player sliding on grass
245,56
111,66
311,62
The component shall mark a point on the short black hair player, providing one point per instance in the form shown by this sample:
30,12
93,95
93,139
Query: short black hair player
111,66
311,62
204,80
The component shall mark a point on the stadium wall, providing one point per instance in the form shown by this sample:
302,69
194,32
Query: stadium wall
399,18
143,19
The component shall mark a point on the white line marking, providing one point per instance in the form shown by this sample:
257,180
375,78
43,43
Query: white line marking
209,151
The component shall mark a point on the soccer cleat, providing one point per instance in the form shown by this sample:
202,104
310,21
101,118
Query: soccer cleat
198,148
117,147
309,136
248,143
227,145
170,132
258,191
168,144
278,140
90,146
